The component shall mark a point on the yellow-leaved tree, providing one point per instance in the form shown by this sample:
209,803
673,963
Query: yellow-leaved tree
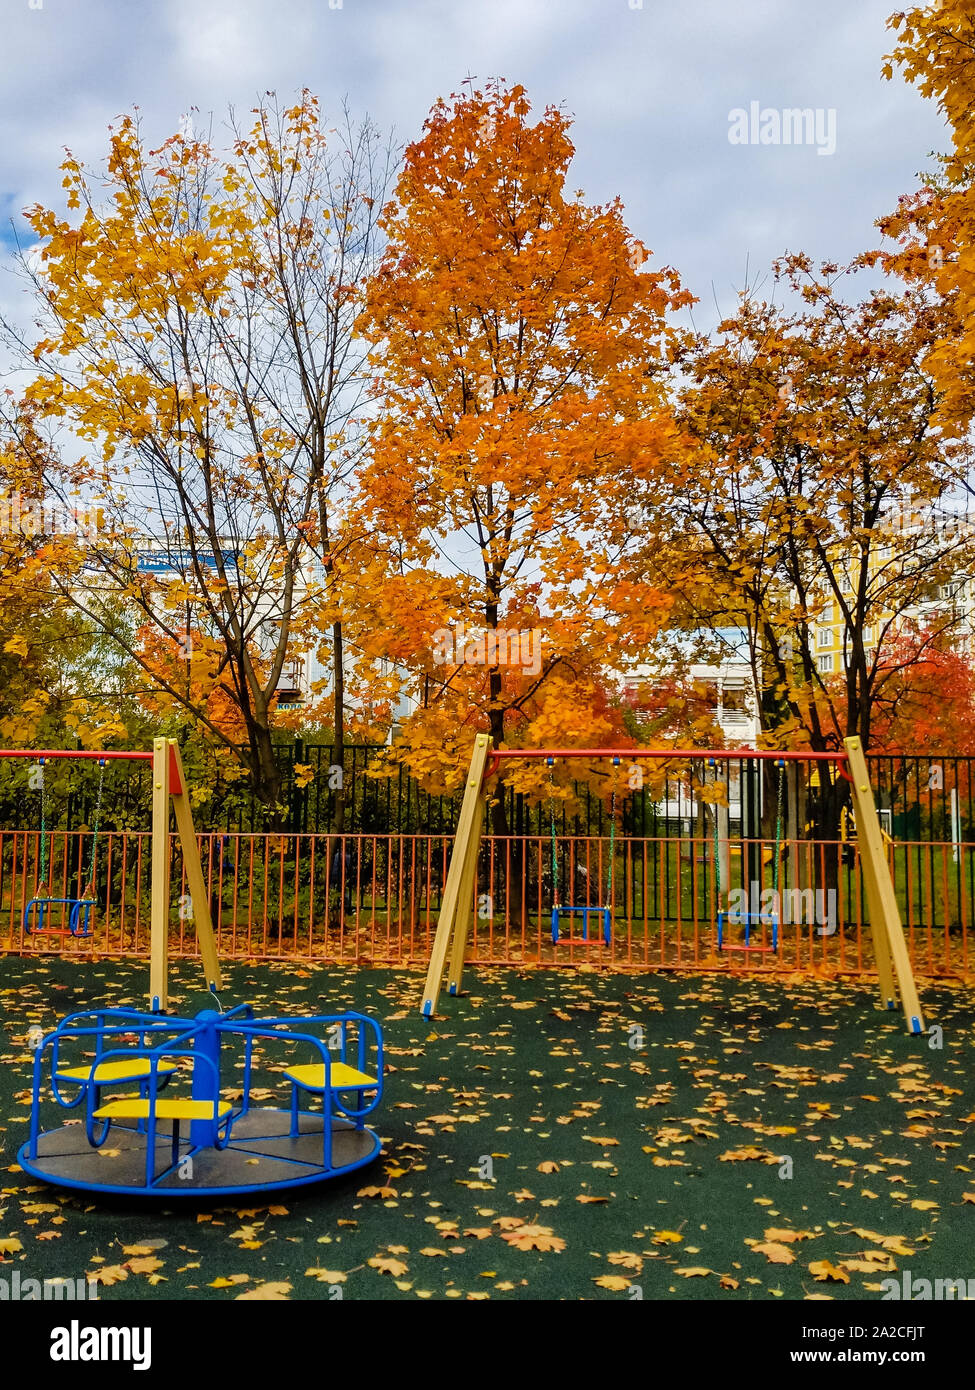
195,317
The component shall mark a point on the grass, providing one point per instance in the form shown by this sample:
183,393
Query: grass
556,1135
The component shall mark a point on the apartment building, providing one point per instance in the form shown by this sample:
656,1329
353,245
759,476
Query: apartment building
954,599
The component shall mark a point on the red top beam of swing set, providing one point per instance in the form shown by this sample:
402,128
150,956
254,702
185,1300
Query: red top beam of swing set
635,754
71,753
102,756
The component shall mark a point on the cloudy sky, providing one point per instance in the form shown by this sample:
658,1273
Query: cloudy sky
650,89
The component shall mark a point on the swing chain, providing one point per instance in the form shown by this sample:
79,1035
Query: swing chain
778,829
717,848
555,853
42,885
88,889
612,835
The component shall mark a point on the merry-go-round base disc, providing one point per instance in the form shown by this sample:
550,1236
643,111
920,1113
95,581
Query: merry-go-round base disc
262,1154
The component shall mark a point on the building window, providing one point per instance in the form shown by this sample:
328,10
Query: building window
824,637
825,664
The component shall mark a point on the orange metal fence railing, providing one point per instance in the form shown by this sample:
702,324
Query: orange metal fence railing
376,898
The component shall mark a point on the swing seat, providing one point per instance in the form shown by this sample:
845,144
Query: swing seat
79,918
585,938
746,919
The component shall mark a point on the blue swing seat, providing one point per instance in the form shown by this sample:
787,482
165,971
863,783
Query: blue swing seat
745,919
78,918
604,912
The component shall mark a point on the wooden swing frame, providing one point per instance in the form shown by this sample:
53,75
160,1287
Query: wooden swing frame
890,948
169,787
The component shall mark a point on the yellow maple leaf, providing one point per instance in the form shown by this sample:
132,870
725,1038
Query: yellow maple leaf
775,1253
386,1265
626,1259
272,1292
533,1238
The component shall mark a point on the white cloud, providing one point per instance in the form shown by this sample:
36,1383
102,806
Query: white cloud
650,90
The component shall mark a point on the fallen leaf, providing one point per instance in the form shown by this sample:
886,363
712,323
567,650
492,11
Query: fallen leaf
386,1265
533,1238
265,1293
775,1253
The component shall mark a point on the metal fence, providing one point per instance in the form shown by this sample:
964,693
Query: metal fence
927,799
372,898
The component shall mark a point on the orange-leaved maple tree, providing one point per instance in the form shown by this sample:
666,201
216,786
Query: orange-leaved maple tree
925,701
817,449
522,349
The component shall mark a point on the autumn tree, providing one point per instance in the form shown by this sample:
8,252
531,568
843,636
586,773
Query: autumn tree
42,637
522,347
195,331
925,700
935,51
813,500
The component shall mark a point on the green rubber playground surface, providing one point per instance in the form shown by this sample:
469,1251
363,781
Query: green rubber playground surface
555,1136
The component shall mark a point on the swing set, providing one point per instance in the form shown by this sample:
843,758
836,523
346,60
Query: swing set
169,791
79,914
890,948
750,919
605,911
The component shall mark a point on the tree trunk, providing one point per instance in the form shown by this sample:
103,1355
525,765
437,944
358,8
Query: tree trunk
827,808
338,750
266,773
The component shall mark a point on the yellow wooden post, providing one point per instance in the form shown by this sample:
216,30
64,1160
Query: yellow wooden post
199,901
885,922
465,845
462,918
159,902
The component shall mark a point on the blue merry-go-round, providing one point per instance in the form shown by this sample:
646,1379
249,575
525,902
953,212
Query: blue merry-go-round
169,1106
